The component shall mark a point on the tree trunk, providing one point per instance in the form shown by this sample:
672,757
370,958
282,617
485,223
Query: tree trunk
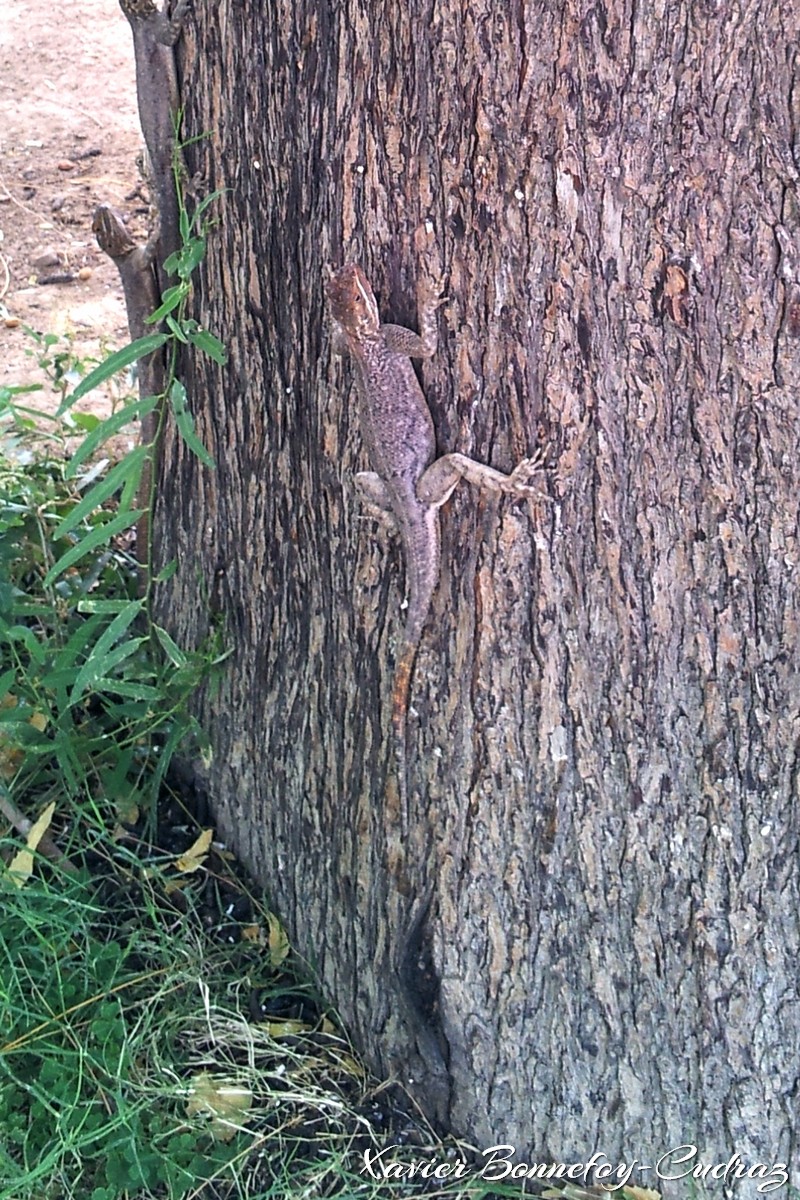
587,937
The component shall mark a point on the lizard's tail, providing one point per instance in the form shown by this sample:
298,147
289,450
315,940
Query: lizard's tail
400,695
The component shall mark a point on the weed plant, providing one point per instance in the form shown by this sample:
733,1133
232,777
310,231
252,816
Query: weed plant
153,1041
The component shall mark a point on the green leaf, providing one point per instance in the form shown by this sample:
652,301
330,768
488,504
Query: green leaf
68,763
102,533
210,345
171,299
131,492
167,571
21,633
101,656
117,361
64,669
15,722
86,421
99,677
136,691
206,203
7,393
81,639
127,469
101,606
176,736
175,328
172,650
183,223
192,254
185,423
138,409
7,681
171,262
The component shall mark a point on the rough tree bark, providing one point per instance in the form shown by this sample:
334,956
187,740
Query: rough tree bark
588,938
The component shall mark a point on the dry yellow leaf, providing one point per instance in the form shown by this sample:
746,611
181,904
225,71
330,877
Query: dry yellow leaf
174,885
127,810
196,855
286,1028
21,864
40,826
20,868
226,1103
278,941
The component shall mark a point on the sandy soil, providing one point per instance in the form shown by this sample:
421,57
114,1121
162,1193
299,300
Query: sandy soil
69,139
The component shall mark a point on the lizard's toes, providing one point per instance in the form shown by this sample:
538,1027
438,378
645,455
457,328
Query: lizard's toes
527,468
524,472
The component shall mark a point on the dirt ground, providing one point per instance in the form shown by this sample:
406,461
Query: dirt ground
69,139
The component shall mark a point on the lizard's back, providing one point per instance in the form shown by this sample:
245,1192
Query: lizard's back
396,425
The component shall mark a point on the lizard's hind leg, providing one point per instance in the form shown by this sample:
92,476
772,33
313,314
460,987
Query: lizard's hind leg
438,482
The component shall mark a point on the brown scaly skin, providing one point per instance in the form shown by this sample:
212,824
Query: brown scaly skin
407,479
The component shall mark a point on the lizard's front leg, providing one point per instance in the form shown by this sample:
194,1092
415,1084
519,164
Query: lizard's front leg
375,496
422,344
439,481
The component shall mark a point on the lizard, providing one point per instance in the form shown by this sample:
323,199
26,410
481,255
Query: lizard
407,481
155,33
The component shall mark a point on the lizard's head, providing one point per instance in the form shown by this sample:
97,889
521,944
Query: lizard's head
352,301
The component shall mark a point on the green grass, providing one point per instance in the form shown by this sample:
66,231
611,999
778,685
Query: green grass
156,1039
121,1030
150,1046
